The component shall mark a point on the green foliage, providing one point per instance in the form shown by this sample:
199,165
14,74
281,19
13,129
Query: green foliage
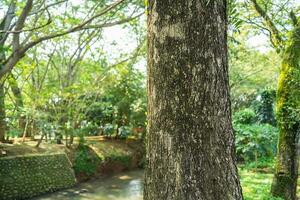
251,71
84,83
127,96
13,130
88,129
254,141
234,16
139,109
125,160
86,161
256,138
124,132
108,129
246,116
264,107
265,163
100,112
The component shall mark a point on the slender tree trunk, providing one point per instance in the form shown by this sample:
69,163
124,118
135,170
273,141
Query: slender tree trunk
25,129
2,99
288,117
40,140
19,102
190,141
2,113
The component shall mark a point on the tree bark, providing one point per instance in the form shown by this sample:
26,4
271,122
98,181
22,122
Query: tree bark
288,117
2,113
2,103
190,141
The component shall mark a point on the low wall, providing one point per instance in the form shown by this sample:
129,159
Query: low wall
23,177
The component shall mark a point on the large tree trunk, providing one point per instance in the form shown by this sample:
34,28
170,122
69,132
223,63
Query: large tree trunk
2,113
190,141
288,118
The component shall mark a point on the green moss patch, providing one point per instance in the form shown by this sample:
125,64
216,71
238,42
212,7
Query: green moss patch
22,177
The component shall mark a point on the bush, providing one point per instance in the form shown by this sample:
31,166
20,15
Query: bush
125,160
89,129
262,163
100,112
263,106
108,130
14,132
255,141
124,132
86,161
246,116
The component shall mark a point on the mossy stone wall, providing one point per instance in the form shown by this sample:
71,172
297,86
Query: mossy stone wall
23,177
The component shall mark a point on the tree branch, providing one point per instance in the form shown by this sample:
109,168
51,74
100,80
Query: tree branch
276,38
19,52
6,22
20,24
46,7
293,18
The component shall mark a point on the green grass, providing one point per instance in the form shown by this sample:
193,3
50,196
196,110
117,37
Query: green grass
256,186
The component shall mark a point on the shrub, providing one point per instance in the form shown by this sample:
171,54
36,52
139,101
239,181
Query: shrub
100,112
124,132
263,106
89,129
263,163
108,129
246,116
124,159
86,160
255,141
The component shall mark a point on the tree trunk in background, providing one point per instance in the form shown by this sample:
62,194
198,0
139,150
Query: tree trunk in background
19,101
288,118
2,113
190,141
2,101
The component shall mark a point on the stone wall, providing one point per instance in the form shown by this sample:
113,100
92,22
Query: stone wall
23,177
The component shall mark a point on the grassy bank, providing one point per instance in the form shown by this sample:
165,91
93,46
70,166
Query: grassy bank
257,185
106,157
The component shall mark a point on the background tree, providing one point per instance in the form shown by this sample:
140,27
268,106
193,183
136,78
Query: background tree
284,36
28,23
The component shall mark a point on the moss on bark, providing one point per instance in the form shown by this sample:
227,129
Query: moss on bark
288,117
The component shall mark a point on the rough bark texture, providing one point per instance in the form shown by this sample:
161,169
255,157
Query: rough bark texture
190,142
288,117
